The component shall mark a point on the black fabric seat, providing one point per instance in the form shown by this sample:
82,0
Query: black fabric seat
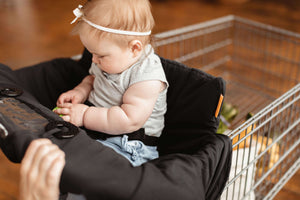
194,161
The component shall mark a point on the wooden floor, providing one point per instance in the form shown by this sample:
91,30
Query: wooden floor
33,31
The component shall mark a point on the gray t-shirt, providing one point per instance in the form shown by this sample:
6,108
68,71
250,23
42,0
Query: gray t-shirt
109,88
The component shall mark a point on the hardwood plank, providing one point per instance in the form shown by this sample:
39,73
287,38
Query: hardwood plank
9,179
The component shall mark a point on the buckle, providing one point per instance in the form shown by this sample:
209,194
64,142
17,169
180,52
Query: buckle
62,129
10,91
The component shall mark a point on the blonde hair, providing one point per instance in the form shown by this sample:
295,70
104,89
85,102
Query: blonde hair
128,15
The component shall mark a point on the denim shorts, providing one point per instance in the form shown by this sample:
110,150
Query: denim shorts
134,150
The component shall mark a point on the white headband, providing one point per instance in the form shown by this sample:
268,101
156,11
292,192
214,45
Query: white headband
78,13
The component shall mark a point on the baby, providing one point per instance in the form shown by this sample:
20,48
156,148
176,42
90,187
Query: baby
126,89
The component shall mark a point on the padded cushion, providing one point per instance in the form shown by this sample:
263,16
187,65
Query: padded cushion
47,80
192,100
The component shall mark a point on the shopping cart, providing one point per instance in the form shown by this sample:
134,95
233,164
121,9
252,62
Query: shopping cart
261,65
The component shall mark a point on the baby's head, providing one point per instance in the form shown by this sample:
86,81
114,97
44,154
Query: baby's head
124,15
114,31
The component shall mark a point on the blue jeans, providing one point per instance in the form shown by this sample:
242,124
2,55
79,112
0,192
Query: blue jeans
134,150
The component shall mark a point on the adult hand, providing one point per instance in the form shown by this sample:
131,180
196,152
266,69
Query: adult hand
41,170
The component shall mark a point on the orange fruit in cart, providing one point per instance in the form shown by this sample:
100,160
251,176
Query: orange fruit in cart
243,134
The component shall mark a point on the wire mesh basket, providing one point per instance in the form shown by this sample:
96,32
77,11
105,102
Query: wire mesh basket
261,66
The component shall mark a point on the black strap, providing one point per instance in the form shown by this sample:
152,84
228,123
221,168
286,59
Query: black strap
136,135
146,139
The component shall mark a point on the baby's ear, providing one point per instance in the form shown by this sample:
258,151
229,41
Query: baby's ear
136,47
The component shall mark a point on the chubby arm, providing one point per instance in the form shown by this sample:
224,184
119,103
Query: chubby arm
79,94
138,104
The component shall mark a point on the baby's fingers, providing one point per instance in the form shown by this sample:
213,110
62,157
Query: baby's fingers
76,100
64,105
63,109
64,98
66,118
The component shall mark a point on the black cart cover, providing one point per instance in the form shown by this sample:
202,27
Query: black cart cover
194,161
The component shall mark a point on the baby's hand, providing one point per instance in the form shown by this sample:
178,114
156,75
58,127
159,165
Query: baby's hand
72,96
54,109
72,113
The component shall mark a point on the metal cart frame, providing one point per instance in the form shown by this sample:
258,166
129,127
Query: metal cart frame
261,65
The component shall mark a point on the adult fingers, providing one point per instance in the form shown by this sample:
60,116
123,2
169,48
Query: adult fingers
47,160
55,170
30,154
33,172
26,167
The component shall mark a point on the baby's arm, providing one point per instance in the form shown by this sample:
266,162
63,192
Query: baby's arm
138,104
79,94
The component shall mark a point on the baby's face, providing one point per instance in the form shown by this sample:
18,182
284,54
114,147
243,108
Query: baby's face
108,56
